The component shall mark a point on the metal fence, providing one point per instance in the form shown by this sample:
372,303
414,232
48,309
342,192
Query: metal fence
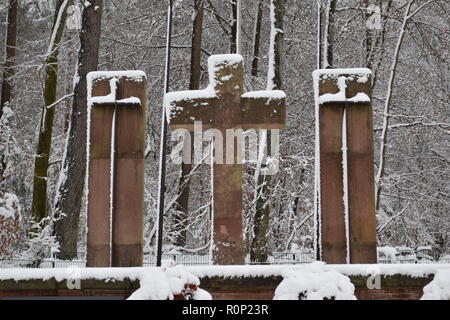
276,258
413,261
44,263
290,258
178,258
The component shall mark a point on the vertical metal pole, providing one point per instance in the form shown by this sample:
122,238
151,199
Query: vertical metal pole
113,184
319,34
113,175
317,223
162,163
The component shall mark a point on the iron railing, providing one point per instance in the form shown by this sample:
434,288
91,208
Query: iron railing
276,258
44,263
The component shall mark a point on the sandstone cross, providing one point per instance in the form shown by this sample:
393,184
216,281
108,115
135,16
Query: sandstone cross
116,124
345,168
223,106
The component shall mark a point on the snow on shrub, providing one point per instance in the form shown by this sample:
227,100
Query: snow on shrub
388,253
10,224
168,283
312,282
41,244
439,288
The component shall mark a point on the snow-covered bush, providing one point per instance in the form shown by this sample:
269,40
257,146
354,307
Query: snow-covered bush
9,150
312,282
439,288
41,244
168,283
425,254
387,254
445,259
10,224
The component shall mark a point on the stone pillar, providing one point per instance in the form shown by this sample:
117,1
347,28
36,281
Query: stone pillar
117,104
346,182
99,180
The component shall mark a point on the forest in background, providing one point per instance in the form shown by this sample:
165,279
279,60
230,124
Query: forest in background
408,53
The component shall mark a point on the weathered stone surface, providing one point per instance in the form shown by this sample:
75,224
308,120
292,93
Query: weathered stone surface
223,106
346,176
396,287
118,242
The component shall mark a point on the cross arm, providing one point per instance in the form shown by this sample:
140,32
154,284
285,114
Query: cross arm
110,88
342,86
184,107
263,109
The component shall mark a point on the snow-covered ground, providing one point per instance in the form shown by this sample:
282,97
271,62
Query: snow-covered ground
313,282
167,282
162,283
413,270
439,288
60,274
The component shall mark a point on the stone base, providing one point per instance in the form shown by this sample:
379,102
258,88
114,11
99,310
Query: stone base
396,287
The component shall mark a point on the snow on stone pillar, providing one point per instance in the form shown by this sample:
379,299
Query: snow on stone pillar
345,171
116,124
224,107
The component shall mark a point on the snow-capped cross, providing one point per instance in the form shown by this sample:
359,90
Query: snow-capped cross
116,125
222,105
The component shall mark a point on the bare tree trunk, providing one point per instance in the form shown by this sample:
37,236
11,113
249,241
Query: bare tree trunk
8,72
329,34
319,55
259,246
234,26
194,84
72,59
368,40
257,39
382,159
319,33
276,66
39,204
72,181
372,47
223,23
10,53
196,50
